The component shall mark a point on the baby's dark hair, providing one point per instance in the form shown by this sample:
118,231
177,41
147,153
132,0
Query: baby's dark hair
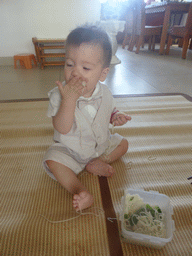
91,34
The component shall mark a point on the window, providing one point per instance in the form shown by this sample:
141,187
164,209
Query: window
112,1
114,9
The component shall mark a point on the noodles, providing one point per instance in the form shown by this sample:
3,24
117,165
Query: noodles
143,218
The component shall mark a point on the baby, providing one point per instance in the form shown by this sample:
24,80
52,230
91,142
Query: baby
81,109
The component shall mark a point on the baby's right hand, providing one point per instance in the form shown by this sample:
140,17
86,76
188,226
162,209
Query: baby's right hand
72,90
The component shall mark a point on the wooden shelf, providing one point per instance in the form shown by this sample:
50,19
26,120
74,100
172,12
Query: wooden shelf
53,55
44,48
53,47
54,63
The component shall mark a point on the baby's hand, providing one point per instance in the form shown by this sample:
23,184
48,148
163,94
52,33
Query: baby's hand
73,89
120,118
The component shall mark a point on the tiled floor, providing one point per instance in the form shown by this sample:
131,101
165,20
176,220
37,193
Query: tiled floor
146,72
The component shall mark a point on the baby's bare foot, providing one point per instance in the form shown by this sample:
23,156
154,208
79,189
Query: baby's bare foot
82,200
98,167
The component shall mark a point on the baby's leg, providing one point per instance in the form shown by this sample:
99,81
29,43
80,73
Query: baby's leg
101,165
67,178
97,166
118,152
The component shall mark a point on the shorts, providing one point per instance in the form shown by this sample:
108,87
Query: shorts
59,153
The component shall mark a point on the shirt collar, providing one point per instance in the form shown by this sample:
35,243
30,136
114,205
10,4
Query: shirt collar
96,94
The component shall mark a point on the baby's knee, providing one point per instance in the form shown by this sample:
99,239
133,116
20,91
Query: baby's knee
125,145
90,167
49,163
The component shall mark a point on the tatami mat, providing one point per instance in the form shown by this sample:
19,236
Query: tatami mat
159,158
27,192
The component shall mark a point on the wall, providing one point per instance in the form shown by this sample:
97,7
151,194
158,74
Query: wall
20,20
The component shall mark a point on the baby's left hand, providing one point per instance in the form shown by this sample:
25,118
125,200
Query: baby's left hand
120,119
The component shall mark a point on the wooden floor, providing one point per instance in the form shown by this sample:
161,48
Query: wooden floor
143,73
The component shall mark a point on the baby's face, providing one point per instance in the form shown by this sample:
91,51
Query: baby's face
86,62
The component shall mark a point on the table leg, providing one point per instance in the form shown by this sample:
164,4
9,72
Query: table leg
190,46
164,30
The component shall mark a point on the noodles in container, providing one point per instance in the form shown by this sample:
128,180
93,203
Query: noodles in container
146,218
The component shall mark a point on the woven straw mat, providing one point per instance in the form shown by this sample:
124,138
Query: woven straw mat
159,158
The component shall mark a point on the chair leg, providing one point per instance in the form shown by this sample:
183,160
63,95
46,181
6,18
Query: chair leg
153,43
139,44
143,43
169,42
185,47
190,44
125,41
131,44
149,47
34,60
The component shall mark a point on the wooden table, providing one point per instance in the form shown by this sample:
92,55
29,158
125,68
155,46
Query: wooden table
167,9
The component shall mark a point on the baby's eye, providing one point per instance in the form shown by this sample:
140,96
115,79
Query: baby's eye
69,65
86,68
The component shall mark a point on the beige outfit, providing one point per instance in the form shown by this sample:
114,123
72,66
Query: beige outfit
89,136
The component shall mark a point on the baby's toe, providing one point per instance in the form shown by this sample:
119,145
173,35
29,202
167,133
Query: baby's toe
76,206
76,200
76,197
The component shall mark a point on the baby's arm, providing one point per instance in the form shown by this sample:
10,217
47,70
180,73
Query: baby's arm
64,118
119,118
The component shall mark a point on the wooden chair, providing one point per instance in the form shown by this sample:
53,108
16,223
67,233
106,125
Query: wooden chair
140,30
181,32
25,60
129,26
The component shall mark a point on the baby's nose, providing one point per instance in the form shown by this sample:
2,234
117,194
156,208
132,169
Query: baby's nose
76,72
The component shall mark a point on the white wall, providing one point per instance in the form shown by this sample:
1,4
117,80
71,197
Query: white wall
20,20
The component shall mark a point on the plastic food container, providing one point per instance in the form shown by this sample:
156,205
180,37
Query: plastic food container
152,198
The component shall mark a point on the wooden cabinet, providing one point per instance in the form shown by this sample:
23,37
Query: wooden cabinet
49,52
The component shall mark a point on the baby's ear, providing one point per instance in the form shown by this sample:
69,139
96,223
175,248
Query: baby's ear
104,74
